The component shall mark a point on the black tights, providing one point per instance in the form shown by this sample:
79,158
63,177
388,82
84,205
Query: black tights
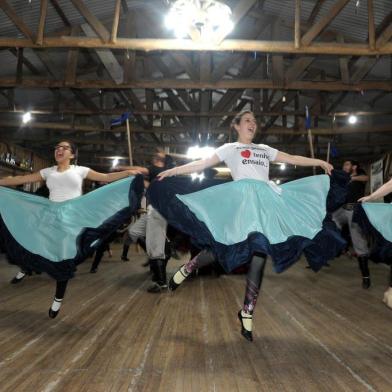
61,286
253,282
253,279
390,277
99,255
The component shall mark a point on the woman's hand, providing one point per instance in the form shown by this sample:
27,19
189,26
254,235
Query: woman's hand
326,166
167,173
365,199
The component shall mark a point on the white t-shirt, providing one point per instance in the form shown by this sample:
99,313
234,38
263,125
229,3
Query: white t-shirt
247,160
64,185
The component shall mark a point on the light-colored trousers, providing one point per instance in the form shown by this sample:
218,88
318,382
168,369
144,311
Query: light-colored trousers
344,217
151,226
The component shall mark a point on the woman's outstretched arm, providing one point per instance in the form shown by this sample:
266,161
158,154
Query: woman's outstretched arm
380,192
191,167
299,160
20,180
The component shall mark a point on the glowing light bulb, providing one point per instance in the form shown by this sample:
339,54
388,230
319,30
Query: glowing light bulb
26,117
352,119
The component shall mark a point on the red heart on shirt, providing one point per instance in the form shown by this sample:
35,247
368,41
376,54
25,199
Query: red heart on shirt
245,153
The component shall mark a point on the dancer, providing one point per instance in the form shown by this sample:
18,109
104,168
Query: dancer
152,228
243,221
377,220
344,216
54,236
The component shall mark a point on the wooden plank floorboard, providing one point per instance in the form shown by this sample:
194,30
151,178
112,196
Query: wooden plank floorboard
313,332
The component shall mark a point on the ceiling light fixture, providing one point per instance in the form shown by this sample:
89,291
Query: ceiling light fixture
26,117
210,17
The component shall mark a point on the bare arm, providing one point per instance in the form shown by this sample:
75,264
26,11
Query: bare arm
380,192
139,169
20,180
361,178
191,167
110,177
299,160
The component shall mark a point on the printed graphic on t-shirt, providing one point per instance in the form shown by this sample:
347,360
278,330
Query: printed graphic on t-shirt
254,156
247,160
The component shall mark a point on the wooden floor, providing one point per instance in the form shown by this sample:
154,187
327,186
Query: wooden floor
313,332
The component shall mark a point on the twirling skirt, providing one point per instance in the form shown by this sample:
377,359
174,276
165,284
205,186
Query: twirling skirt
376,220
239,218
43,236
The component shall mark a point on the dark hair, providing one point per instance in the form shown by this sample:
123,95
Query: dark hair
353,162
74,149
169,162
237,118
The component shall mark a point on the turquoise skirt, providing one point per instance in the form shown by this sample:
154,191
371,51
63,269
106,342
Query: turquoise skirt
376,220
240,218
44,236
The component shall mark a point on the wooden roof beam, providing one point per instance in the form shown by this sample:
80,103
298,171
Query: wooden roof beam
240,10
229,45
332,85
92,20
317,28
18,22
41,24
60,12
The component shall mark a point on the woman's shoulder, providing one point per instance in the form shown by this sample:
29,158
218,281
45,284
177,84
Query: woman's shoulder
49,169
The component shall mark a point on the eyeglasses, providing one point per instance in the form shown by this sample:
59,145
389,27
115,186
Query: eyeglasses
68,148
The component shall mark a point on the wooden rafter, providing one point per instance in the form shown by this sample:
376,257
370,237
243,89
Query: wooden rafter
239,11
315,11
190,84
176,130
42,19
92,20
297,24
116,19
18,21
317,28
60,12
229,45
371,28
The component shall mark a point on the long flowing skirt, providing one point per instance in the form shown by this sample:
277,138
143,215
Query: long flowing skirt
237,219
376,220
43,236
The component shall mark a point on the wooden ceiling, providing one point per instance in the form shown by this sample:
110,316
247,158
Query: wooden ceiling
76,78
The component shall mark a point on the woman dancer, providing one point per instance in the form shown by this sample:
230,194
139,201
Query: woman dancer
65,183
282,222
379,218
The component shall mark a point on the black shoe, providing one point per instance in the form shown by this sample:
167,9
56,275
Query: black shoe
158,268
366,283
52,313
93,270
244,332
124,258
156,288
16,280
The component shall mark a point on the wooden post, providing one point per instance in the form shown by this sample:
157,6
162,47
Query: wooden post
297,24
310,139
129,143
116,18
328,151
42,18
372,31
